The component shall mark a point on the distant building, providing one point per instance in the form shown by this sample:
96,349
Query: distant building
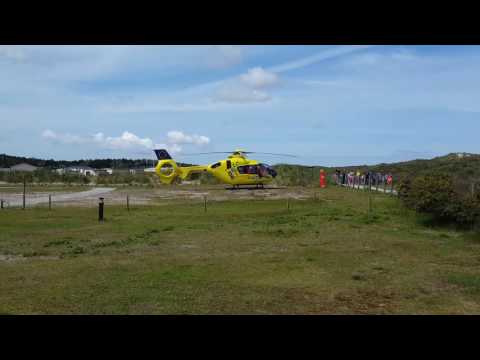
137,170
149,170
4,169
106,171
81,170
462,155
24,167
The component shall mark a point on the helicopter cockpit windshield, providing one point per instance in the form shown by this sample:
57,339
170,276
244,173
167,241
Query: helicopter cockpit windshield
267,169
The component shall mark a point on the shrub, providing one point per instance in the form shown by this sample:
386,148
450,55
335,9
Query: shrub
439,196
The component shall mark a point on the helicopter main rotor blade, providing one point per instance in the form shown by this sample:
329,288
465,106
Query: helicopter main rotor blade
207,153
243,152
262,153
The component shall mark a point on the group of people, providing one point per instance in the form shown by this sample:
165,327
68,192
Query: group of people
351,178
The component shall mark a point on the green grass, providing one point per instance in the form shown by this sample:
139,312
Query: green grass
240,257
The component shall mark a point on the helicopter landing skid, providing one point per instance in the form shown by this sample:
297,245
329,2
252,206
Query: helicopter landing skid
251,188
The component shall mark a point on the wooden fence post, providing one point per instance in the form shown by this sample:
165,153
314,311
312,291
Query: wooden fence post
100,209
50,202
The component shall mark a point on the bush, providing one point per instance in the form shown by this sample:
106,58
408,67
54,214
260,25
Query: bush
437,195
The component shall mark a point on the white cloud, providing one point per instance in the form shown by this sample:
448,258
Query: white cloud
129,141
49,134
126,141
258,78
248,87
178,137
63,138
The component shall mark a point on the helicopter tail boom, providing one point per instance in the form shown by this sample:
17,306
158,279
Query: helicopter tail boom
168,170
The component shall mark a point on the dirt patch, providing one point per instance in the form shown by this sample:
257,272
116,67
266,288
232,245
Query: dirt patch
365,301
147,196
20,258
12,258
222,194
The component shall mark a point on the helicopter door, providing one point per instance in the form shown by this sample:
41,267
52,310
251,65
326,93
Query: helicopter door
229,169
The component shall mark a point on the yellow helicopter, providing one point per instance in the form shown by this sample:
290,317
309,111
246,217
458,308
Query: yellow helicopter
236,170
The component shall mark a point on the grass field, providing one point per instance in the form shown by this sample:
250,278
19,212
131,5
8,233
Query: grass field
324,256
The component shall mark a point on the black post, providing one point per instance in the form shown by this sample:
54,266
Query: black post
128,203
384,185
392,187
205,203
100,209
24,190
49,202
288,204
1,204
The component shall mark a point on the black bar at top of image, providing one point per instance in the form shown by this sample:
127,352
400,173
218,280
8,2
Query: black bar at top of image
243,26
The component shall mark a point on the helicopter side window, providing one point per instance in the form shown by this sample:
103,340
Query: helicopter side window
215,165
243,169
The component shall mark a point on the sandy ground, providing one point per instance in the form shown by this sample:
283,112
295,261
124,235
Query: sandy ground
139,196
32,199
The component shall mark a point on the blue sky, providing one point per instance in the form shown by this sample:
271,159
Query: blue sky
330,105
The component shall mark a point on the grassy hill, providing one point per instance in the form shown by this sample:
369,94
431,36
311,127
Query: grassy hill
462,166
459,165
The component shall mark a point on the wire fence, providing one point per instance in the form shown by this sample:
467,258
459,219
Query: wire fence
376,182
